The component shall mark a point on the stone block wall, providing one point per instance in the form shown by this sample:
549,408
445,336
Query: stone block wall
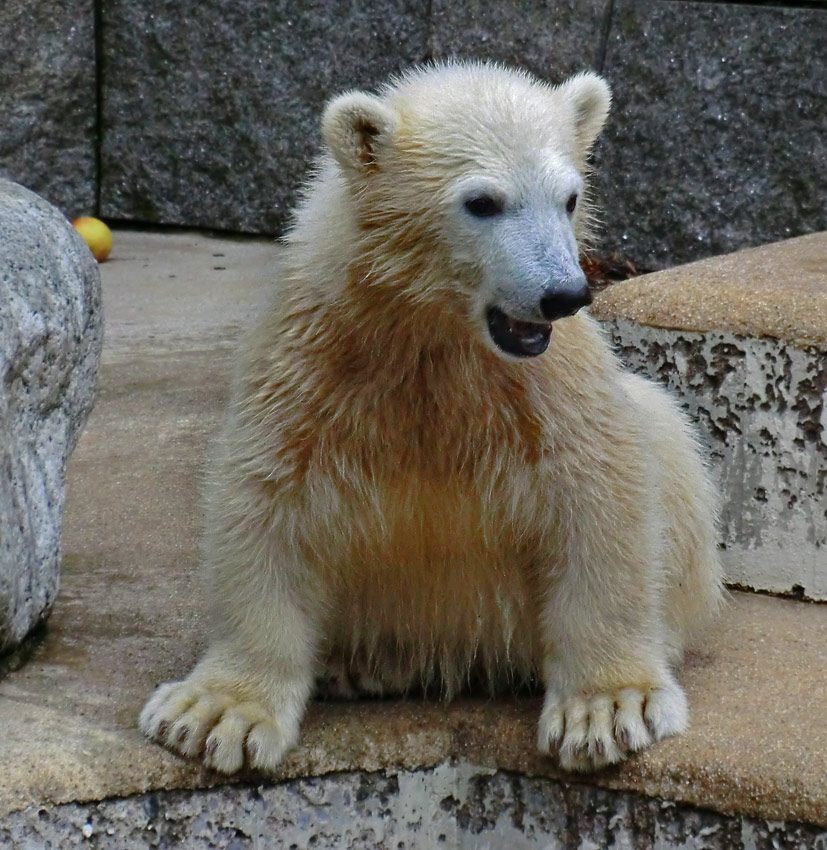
210,110
206,115
718,137
741,341
48,100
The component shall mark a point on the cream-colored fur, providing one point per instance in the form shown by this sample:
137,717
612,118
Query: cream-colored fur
400,504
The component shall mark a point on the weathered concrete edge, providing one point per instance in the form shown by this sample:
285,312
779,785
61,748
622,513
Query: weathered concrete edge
416,736
421,806
760,405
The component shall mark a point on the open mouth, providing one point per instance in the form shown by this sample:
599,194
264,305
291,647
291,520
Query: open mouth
515,337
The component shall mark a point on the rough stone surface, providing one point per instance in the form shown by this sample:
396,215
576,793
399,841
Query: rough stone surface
451,806
131,611
47,100
758,389
716,140
551,39
210,115
50,341
211,110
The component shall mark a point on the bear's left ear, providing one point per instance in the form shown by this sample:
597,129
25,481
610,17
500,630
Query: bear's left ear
589,97
356,126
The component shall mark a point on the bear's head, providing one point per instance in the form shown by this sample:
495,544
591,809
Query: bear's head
468,185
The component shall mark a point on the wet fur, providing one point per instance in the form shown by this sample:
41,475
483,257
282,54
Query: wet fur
395,506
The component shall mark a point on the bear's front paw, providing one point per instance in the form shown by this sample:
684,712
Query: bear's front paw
588,732
196,721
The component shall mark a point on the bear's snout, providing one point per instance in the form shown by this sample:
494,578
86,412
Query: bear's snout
561,301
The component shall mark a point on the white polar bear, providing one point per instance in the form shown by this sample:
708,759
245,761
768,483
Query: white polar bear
434,470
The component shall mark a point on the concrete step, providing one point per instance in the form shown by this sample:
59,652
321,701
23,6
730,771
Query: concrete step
743,340
131,614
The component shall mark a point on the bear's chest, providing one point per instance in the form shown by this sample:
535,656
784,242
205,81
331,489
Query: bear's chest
407,533
431,567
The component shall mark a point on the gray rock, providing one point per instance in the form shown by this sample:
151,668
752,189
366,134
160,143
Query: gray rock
211,110
51,332
716,140
553,40
48,101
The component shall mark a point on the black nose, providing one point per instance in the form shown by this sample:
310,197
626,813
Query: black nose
560,302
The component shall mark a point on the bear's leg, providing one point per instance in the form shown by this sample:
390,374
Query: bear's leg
246,697
689,502
609,689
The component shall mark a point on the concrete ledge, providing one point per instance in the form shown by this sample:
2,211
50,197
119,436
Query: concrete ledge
777,291
450,805
742,339
130,615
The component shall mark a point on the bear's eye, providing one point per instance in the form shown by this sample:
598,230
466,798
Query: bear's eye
571,204
483,206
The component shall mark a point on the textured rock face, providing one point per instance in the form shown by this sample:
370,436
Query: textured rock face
47,100
451,806
551,40
50,339
716,138
211,110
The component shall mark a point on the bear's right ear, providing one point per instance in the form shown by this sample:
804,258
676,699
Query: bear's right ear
355,126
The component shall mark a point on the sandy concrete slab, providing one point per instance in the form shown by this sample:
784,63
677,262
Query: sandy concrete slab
182,290
130,611
777,290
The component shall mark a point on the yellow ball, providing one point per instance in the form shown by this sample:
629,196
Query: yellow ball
96,235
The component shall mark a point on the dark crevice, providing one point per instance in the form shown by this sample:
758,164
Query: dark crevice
165,227
98,23
14,659
429,37
797,592
605,30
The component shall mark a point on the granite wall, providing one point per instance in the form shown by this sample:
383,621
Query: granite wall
205,115
718,137
210,109
48,101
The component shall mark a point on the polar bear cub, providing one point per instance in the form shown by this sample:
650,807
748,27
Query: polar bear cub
434,471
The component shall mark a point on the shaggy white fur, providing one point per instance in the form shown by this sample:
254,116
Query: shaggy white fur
411,492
